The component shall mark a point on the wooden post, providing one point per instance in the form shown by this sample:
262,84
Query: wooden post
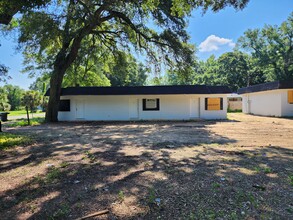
0,126
28,118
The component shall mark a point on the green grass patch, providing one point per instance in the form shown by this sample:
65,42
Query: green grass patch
53,175
10,140
23,122
21,112
234,111
291,179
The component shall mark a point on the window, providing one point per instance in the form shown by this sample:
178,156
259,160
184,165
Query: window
290,96
64,106
213,104
150,104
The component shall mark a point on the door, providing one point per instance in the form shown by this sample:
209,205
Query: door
79,114
194,108
133,108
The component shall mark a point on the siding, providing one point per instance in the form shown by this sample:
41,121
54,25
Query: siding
268,103
172,107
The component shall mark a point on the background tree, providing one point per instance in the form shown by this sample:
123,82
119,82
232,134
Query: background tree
272,47
114,25
14,95
124,70
233,70
4,105
31,100
207,72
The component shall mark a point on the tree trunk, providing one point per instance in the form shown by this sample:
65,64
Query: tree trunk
62,62
55,92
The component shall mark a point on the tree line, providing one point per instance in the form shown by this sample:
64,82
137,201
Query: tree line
261,55
15,98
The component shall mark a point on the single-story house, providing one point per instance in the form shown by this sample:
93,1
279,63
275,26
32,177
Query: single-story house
184,102
268,99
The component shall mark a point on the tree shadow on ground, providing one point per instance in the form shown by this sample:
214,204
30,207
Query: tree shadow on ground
161,176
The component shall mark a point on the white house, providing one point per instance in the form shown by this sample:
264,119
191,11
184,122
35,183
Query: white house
268,99
143,103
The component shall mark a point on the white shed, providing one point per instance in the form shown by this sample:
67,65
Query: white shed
185,102
268,99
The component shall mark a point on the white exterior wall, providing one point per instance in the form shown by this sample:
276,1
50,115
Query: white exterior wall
267,103
287,109
205,114
122,108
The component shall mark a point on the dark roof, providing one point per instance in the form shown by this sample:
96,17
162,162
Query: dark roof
267,86
144,90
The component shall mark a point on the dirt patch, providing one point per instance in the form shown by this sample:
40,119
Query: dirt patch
240,168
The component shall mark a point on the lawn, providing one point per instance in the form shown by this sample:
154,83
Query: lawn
241,168
23,122
21,112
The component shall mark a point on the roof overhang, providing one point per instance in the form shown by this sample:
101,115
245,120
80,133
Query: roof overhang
144,90
267,87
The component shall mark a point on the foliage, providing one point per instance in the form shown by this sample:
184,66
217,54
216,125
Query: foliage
14,95
31,99
8,8
23,122
272,47
126,71
8,140
4,105
3,73
207,72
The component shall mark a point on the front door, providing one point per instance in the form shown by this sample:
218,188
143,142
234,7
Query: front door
133,108
194,108
79,114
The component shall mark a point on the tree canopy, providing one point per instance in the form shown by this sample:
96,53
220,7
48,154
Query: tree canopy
8,8
272,47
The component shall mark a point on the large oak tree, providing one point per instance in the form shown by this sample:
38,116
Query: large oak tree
153,27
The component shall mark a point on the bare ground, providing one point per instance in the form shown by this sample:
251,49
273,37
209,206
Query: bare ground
240,168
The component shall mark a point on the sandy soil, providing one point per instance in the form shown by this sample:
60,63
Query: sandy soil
241,168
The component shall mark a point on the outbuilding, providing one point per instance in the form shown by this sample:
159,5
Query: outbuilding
268,99
184,102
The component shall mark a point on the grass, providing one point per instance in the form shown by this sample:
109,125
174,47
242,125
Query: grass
23,122
234,111
8,140
21,112
61,213
291,179
121,195
53,175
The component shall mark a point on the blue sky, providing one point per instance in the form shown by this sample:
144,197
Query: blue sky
212,33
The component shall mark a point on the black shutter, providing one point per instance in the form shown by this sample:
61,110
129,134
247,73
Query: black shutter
144,104
206,104
158,104
221,103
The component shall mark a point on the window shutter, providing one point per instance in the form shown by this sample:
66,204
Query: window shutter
290,96
221,104
206,104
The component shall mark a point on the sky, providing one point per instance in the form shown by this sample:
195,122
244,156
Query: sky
212,33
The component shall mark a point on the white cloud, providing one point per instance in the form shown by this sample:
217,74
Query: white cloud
213,43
